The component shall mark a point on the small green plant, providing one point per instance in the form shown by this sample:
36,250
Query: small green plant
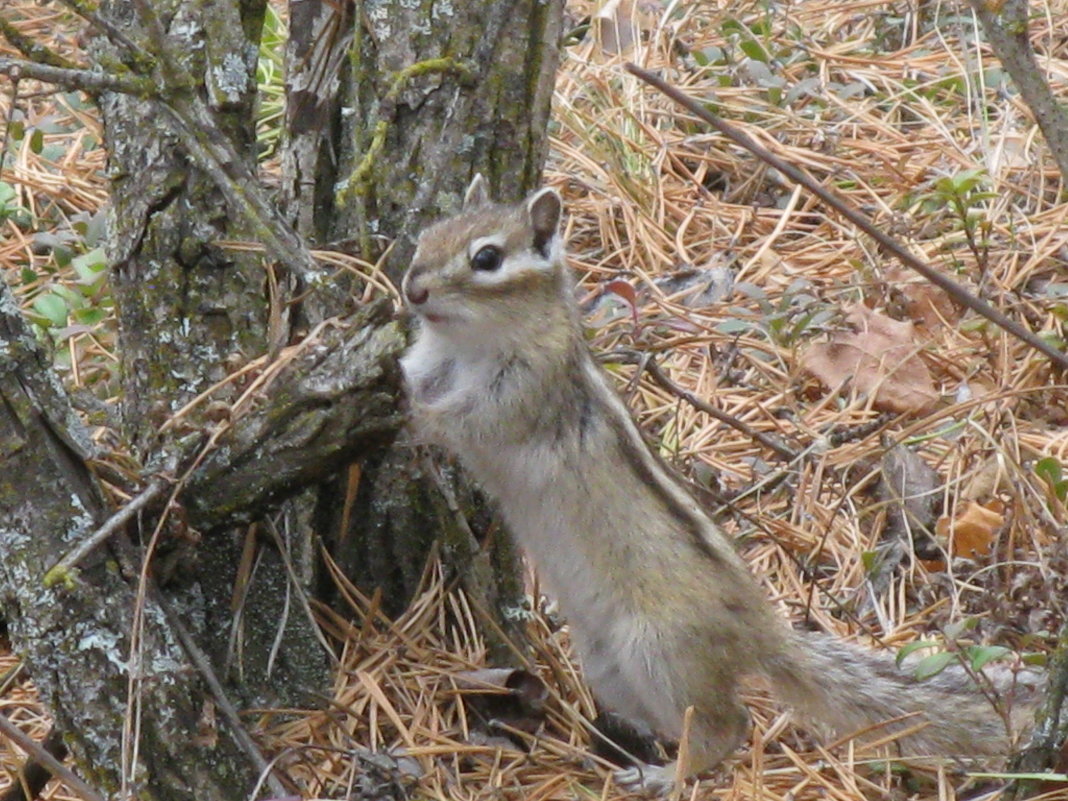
964,196
11,209
784,322
270,79
974,657
57,304
1052,472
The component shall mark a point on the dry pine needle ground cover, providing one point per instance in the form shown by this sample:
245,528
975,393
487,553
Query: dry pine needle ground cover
754,299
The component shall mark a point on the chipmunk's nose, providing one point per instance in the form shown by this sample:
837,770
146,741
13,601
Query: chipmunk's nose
416,294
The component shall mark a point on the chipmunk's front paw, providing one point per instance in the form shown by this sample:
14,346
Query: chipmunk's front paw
652,780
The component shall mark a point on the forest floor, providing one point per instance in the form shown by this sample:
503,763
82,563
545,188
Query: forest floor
755,299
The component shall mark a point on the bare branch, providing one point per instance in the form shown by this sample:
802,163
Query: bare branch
33,50
71,559
87,81
888,243
1005,25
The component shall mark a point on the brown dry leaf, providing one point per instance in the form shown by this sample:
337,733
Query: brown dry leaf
925,304
986,480
973,531
911,490
881,360
510,695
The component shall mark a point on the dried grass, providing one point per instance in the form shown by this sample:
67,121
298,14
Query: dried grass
649,192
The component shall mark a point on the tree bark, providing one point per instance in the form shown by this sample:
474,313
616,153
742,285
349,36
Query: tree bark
192,312
430,94
75,636
438,92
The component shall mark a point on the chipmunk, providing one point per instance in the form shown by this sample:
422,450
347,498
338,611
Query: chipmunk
663,612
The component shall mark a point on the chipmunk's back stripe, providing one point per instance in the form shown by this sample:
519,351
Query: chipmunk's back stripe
651,471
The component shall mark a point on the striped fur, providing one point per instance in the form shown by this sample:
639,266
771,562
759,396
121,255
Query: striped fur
663,612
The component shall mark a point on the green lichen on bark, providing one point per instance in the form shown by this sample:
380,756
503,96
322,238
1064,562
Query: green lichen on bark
359,183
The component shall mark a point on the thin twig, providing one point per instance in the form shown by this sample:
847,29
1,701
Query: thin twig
951,287
92,83
73,557
37,752
661,378
229,711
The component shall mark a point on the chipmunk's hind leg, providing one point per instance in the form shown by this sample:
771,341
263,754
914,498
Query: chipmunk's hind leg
715,731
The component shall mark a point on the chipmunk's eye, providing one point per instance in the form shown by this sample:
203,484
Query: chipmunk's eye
488,258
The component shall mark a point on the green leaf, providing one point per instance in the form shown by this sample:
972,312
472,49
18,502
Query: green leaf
52,308
755,50
73,298
983,654
735,326
90,316
957,628
89,266
933,665
731,25
909,648
967,180
1049,470
37,141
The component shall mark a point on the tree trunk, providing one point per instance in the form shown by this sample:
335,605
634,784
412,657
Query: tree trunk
236,387
439,92
430,95
75,633
191,313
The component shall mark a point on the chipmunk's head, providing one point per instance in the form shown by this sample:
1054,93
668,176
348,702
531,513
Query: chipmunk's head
489,266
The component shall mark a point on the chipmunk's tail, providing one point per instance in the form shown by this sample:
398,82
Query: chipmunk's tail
852,689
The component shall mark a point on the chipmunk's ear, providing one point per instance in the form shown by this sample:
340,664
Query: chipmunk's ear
477,193
544,208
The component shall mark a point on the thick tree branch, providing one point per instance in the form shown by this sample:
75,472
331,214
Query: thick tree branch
332,401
